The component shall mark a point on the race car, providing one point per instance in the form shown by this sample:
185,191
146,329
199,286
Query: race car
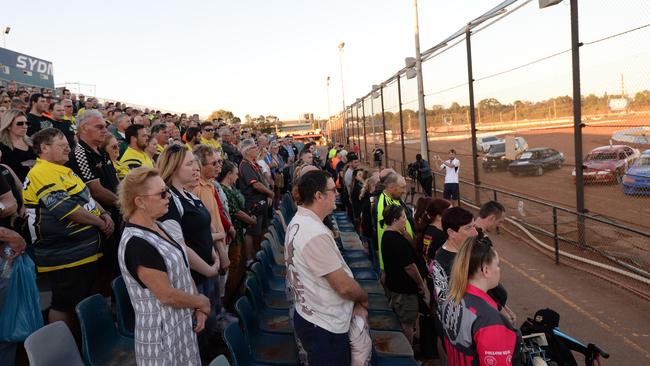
483,143
637,178
536,160
607,164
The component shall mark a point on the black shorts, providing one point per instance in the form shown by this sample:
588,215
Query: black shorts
451,191
71,285
261,213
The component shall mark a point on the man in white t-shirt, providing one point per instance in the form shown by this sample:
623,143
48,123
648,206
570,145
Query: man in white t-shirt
325,294
451,167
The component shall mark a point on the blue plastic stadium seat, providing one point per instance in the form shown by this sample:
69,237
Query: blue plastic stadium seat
390,344
278,270
271,320
221,360
272,299
371,286
364,274
384,320
238,346
275,283
378,302
277,349
102,344
125,313
52,345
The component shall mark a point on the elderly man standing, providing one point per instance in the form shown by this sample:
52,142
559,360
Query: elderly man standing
66,225
227,141
394,189
256,192
325,294
93,165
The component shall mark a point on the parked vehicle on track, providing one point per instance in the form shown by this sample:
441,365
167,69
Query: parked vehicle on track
536,160
497,158
637,178
607,164
483,143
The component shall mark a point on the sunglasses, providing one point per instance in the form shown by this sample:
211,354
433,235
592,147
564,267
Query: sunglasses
208,130
23,123
164,194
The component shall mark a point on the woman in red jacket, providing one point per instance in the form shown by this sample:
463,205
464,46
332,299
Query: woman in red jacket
475,333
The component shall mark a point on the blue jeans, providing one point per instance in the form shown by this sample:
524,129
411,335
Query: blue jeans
323,347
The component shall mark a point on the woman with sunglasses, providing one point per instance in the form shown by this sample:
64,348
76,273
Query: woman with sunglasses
16,147
112,147
180,171
475,332
156,270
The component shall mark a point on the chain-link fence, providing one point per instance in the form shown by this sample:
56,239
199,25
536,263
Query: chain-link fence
509,78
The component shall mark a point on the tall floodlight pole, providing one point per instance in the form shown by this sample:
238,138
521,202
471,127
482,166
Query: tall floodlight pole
329,113
344,115
5,32
424,143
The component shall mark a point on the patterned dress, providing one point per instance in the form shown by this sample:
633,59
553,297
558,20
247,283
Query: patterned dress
235,204
163,334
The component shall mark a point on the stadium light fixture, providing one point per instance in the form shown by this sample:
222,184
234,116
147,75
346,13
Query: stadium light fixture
546,3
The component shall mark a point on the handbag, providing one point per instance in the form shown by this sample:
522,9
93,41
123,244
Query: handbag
21,312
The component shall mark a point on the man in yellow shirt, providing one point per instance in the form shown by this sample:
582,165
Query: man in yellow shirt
69,112
207,135
134,155
66,225
161,133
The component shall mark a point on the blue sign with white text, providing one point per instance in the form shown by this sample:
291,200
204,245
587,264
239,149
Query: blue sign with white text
25,69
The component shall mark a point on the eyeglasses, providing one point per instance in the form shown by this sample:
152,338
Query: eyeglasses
23,123
209,130
164,194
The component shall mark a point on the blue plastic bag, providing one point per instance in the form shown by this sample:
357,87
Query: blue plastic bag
21,313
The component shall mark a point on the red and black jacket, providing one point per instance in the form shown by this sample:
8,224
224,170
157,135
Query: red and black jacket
476,334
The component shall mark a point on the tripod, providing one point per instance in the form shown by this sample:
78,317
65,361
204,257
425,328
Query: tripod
410,195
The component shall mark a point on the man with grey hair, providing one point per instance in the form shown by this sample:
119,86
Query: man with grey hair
256,191
394,189
121,123
94,167
228,147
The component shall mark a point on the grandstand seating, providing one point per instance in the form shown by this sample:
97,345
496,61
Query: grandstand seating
52,345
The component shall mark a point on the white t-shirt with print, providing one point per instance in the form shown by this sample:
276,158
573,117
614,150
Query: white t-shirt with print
310,254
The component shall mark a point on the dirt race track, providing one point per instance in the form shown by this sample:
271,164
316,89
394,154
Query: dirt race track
554,186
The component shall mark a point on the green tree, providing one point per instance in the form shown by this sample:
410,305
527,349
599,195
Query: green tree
223,114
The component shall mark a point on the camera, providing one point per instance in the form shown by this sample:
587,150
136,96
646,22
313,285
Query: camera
413,170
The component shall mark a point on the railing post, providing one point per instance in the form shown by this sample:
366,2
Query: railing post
472,115
555,236
383,124
401,119
577,121
365,136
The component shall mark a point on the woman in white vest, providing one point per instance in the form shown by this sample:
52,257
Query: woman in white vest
153,261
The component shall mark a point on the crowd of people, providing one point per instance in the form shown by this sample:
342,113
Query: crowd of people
178,207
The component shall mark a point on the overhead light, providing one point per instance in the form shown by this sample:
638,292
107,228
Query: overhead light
411,73
7,30
409,61
546,3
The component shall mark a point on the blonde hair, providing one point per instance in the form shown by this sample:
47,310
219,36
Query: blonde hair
170,160
473,254
5,125
370,183
133,185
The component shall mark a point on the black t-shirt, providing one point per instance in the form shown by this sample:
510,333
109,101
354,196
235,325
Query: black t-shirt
250,173
37,123
435,239
139,252
20,161
4,188
66,128
90,165
195,223
398,253
378,154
